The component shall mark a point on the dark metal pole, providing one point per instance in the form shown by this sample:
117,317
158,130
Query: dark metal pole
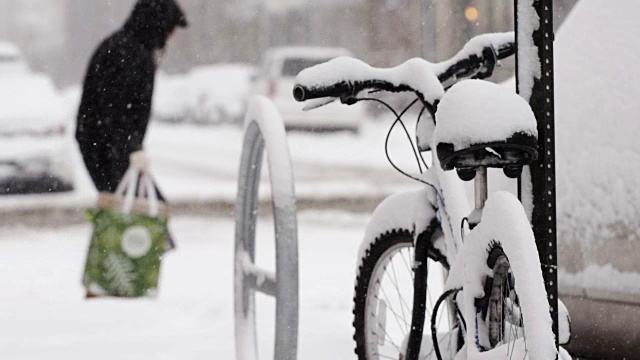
543,174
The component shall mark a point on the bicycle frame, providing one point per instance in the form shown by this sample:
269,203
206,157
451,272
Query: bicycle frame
452,245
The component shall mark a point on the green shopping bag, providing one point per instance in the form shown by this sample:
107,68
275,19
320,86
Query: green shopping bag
128,240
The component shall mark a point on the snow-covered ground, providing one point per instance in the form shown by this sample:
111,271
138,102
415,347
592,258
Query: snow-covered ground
44,315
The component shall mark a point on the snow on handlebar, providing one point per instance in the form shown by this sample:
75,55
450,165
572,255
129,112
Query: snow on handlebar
478,57
345,77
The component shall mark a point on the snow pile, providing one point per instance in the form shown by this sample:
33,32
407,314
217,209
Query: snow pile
477,111
597,91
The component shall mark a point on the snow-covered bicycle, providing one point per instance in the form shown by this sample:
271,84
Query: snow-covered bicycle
490,301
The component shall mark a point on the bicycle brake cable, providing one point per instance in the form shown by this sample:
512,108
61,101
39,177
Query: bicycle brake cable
465,219
399,119
418,122
434,317
413,147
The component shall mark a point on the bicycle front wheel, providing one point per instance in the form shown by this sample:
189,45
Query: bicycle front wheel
384,300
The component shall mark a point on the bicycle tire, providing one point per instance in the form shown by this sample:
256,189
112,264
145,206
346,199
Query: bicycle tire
500,292
501,308
512,316
369,304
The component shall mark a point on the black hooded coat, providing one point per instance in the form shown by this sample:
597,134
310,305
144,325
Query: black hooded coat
117,90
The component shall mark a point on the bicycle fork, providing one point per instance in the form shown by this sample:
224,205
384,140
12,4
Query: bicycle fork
423,249
419,297
420,269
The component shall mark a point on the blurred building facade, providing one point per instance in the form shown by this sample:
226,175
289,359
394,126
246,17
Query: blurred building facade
58,36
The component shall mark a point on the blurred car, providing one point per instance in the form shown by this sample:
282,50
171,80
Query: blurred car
219,93
170,103
11,60
275,80
34,145
210,94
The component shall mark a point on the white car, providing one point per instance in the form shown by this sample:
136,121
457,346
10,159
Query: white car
218,93
210,94
276,78
170,102
34,146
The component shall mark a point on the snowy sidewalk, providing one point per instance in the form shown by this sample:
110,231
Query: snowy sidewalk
44,314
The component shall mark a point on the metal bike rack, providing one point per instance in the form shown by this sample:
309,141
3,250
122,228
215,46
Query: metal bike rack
264,129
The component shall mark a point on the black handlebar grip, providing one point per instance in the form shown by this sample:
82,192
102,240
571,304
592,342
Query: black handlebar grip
338,90
300,93
506,50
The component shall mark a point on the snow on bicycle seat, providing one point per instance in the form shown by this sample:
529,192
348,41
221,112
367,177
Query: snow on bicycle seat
479,123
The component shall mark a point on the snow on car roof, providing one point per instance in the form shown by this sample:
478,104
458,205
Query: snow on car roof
8,49
308,51
11,60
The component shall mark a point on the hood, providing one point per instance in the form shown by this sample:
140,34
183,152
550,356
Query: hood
152,21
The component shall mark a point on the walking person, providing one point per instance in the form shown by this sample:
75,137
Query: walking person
117,91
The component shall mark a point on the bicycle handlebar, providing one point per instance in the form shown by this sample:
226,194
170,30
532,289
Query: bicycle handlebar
470,61
346,90
345,77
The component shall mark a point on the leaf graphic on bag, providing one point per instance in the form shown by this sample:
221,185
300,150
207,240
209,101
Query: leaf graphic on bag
120,272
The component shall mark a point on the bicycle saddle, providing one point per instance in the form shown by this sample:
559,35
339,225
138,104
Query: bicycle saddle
479,123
